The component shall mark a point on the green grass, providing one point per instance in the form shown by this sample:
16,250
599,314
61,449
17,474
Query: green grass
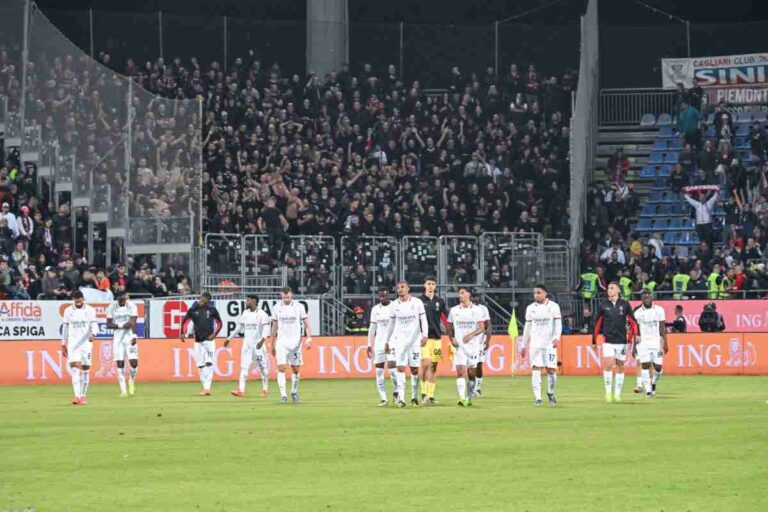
702,444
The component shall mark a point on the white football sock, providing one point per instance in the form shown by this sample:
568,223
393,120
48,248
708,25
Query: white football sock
393,378
471,388
121,380
76,387
461,387
295,382
243,379
201,370
84,381
551,382
380,384
401,386
646,379
656,377
608,378
264,377
478,383
536,383
133,372
209,377
414,387
281,382
619,383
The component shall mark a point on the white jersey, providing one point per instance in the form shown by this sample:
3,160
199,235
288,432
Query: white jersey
289,318
485,316
409,321
253,325
121,315
464,321
543,323
380,316
648,320
79,324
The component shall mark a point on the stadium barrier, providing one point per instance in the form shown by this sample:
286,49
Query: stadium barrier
168,360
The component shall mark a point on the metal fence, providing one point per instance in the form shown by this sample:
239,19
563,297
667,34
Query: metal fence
627,106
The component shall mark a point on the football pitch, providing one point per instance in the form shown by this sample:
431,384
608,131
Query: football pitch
701,444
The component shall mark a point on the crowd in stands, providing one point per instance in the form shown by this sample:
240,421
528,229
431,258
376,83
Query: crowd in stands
726,195
358,152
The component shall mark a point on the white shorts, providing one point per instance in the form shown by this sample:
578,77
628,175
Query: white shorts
615,350
543,357
80,353
122,350
650,355
380,356
251,355
467,354
408,355
204,351
288,355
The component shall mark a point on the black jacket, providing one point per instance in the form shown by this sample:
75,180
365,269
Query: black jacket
613,320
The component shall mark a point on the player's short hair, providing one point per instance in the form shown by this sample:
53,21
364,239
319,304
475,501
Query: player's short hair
77,294
614,282
120,294
430,278
286,289
678,306
541,287
252,296
383,289
466,288
206,295
646,291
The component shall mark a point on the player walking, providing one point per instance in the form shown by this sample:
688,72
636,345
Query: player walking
253,324
432,352
476,384
377,341
543,327
466,329
652,343
206,324
407,334
77,335
613,317
122,317
287,317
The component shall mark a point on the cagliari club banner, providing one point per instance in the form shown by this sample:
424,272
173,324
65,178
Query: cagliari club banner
167,360
728,72
41,320
165,316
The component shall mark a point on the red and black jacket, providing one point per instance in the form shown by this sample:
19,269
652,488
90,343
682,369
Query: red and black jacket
616,322
205,321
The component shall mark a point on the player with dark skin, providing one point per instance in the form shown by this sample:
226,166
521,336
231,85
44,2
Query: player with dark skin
122,299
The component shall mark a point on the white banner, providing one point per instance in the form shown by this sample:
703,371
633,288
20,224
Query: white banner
723,71
165,316
41,320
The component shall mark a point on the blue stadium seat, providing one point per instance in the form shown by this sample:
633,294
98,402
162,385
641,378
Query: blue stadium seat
656,197
745,156
647,120
664,120
660,145
675,144
760,117
656,158
710,133
711,118
667,132
670,237
743,117
718,211
659,184
675,224
644,225
741,143
648,172
662,224
665,171
689,224
649,210
742,130
670,157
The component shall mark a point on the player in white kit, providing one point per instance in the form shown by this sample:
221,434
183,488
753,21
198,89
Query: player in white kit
543,327
466,330
287,317
77,335
651,343
122,317
253,324
377,341
407,333
476,383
